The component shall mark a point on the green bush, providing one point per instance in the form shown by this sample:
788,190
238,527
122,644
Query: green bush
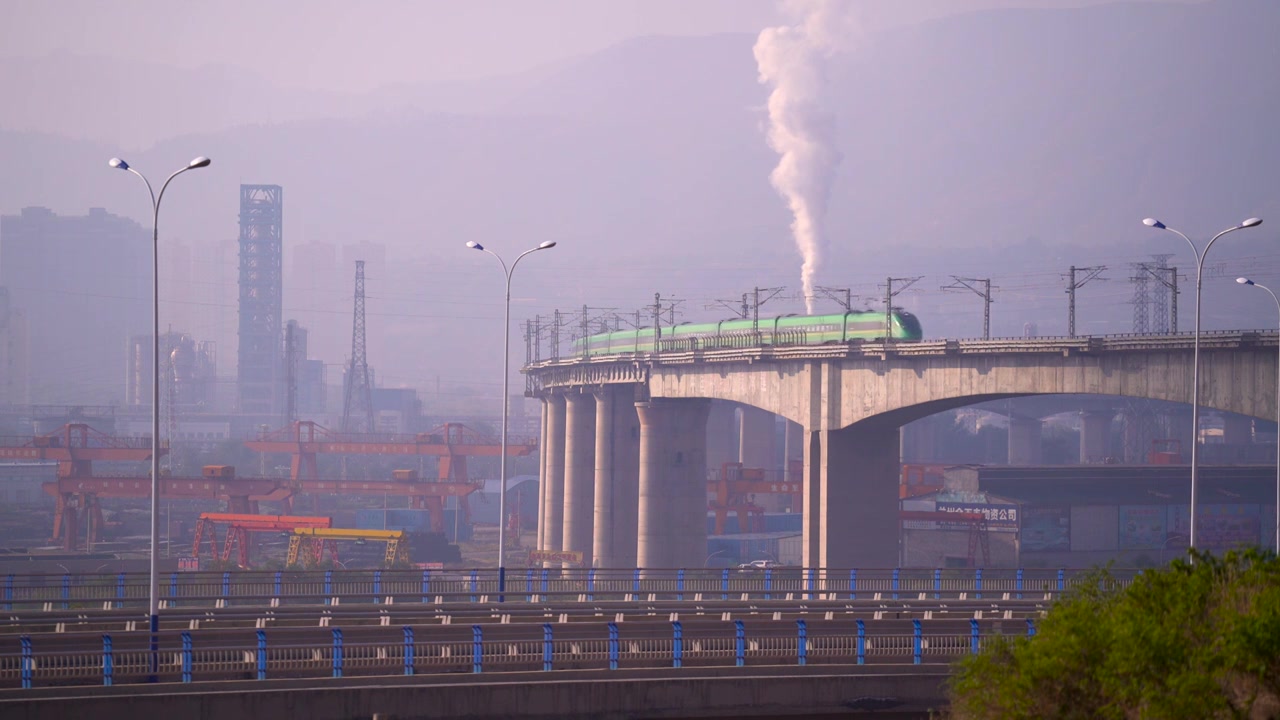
1199,639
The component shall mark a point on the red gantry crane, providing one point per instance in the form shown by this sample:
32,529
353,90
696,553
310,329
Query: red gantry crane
734,490
238,528
450,443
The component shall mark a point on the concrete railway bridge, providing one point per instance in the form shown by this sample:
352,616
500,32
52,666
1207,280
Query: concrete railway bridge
624,437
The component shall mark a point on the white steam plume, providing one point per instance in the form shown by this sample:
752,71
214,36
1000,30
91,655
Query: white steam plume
793,59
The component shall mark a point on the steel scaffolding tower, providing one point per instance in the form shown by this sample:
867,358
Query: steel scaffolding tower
261,298
357,408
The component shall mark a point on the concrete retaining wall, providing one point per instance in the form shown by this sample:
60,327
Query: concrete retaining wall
691,693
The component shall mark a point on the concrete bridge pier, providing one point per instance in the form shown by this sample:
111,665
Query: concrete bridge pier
553,507
542,472
1024,440
579,474
617,477
757,444
672,512
1095,435
722,434
792,449
851,497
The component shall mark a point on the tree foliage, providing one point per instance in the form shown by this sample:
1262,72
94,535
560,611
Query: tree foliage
1199,639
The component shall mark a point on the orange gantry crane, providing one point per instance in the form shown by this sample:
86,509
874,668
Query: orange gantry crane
76,490
734,488
74,447
450,443
238,528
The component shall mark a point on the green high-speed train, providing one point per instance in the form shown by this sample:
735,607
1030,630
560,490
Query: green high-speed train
780,330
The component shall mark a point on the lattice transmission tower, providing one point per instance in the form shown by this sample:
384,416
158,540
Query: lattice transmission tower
357,408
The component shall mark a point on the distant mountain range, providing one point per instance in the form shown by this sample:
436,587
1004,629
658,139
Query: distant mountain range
997,143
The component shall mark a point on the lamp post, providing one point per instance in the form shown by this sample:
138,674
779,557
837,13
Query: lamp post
154,591
1247,281
1195,360
506,380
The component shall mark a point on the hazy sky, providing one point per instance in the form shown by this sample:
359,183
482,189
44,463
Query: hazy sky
343,45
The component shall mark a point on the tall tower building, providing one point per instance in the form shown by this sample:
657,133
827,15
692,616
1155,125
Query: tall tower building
260,367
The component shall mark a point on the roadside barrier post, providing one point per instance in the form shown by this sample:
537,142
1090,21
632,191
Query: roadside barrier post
802,642
917,642
262,654
973,637
613,646
547,646
186,657
740,642
409,653
26,662
477,648
107,660
862,642
677,644
337,652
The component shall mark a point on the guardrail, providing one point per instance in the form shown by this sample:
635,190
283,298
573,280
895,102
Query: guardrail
187,589
187,657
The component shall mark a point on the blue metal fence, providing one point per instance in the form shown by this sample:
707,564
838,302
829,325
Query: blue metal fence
47,660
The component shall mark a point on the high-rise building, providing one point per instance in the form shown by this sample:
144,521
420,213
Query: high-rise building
308,374
260,365
13,352
84,283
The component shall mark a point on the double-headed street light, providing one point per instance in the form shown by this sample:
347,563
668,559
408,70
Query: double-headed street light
154,593
506,379
1247,281
1195,360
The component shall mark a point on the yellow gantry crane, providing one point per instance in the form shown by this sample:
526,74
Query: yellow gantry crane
310,544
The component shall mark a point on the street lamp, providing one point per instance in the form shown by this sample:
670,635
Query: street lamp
1247,281
154,592
1195,361
506,379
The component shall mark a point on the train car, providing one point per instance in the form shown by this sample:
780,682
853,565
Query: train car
779,330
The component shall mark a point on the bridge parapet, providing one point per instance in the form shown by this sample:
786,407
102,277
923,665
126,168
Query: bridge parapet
689,352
